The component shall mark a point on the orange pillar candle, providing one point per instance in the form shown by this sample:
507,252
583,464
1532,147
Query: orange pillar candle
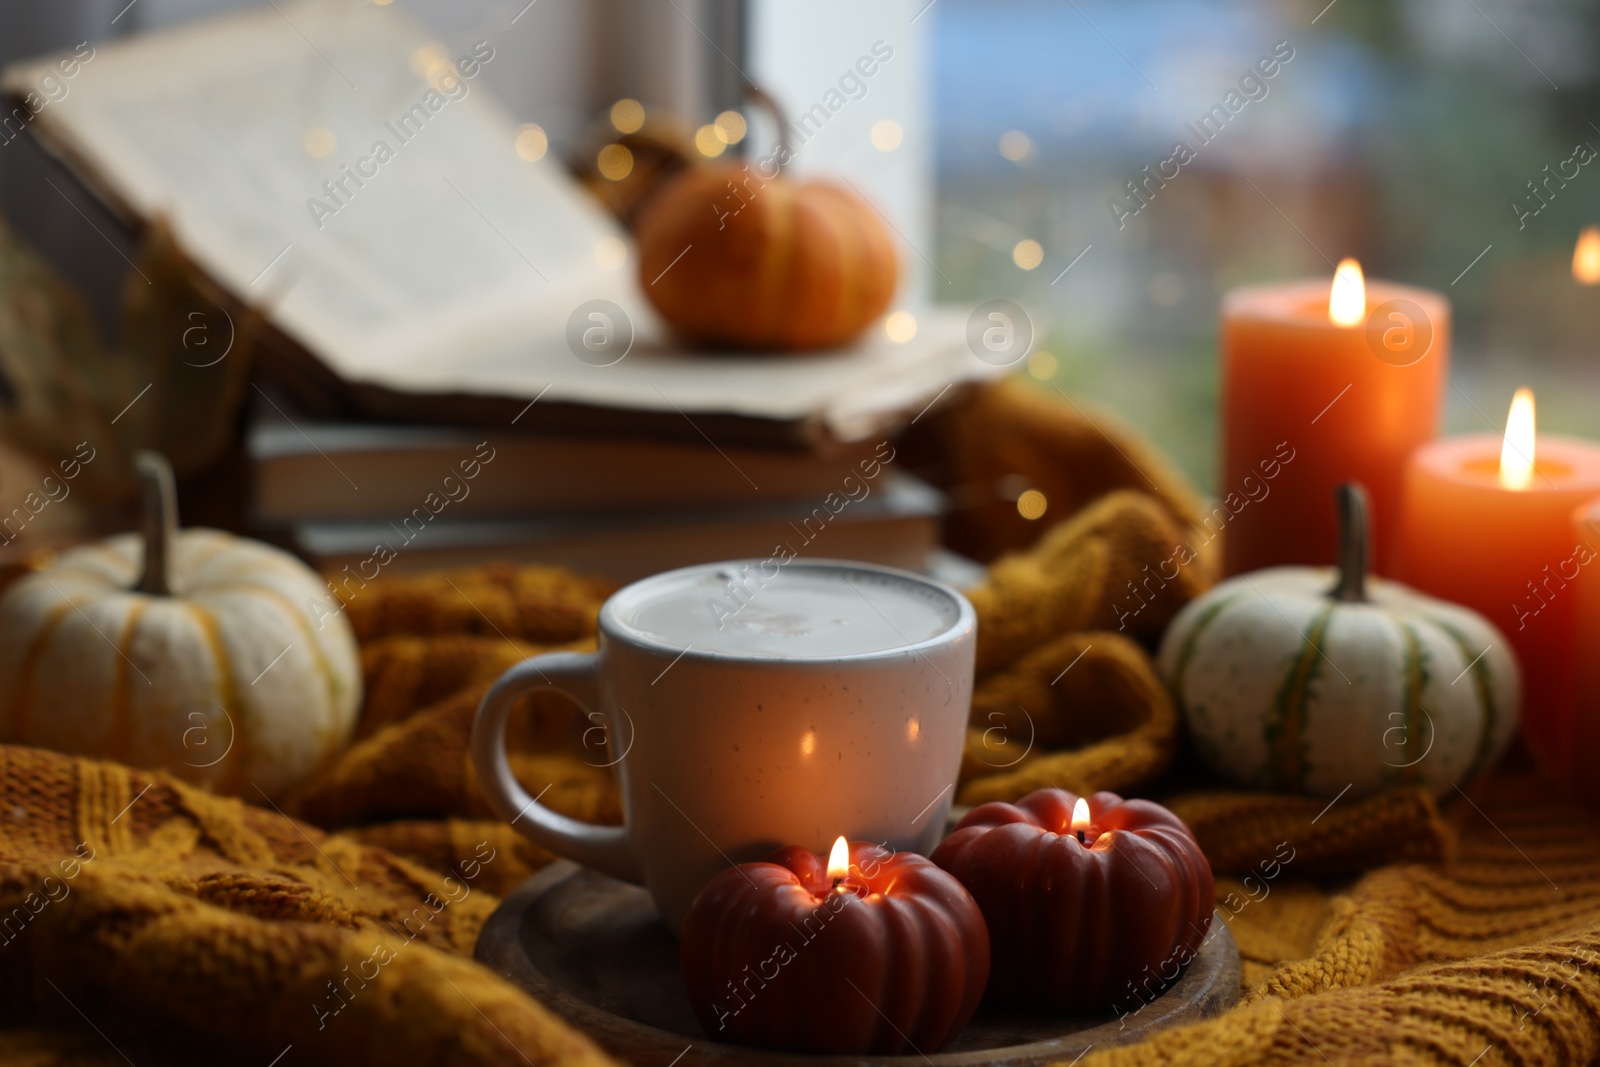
1584,740
1487,522
1586,257
1320,388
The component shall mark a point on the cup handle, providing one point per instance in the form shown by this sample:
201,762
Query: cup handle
605,848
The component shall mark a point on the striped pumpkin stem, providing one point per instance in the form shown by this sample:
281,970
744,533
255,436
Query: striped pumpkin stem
158,521
1354,536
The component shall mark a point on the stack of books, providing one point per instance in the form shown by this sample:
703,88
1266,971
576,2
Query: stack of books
458,361
390,497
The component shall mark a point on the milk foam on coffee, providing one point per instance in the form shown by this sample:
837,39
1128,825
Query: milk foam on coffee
789,612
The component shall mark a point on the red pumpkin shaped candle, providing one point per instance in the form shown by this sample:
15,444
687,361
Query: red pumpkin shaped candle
872,952
1090,903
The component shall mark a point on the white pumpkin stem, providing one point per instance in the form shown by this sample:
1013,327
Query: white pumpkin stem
1354,537
758,96
158,522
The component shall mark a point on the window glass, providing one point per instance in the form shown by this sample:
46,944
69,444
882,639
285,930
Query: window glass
1403,132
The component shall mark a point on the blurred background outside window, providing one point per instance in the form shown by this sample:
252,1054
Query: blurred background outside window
1027,149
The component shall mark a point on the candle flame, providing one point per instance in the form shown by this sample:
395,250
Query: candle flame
1080,816
839,861
1516,454
1586,256
1347,303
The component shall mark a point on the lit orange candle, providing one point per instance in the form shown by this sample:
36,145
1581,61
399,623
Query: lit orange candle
1585,737
1321,386
1487,521
1586,256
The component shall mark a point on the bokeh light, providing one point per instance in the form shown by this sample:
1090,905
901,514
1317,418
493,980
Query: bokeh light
531,142
887,135
1032,505
615,162
901,326
627,115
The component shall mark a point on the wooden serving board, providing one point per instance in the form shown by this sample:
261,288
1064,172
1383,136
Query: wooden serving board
593,950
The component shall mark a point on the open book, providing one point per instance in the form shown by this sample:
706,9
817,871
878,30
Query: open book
325,160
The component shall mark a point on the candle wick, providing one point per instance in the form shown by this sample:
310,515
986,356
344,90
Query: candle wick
837,882
1080,837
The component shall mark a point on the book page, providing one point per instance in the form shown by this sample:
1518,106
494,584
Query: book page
323,159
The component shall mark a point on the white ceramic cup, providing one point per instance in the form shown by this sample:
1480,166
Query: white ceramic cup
750,705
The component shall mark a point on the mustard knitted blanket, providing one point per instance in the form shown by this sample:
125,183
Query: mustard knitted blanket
145,922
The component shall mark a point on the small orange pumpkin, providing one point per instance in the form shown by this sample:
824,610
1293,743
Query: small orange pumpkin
733,259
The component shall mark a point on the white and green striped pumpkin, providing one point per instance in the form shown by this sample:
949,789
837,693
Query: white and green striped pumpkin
1315,680
219,659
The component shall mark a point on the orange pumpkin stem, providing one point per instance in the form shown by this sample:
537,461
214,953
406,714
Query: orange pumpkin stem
1353,538
159,521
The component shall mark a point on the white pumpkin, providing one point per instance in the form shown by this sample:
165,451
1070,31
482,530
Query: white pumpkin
221,660
1315,680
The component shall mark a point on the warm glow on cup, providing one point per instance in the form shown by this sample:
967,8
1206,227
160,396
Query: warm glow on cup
1487,522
